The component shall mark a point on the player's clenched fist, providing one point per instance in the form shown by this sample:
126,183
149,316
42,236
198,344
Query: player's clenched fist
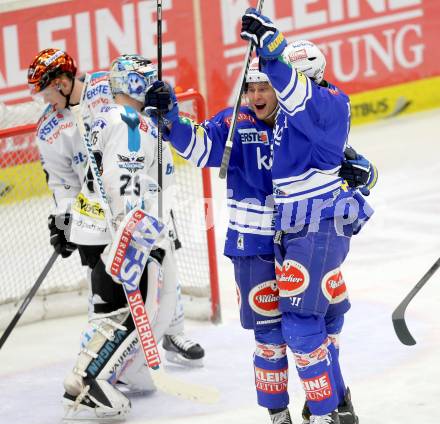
160,97
261,31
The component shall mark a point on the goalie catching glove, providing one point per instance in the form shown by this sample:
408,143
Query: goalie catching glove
261,31
160,97
358,171
57,225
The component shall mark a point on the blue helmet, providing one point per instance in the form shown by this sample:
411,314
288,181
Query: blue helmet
132,75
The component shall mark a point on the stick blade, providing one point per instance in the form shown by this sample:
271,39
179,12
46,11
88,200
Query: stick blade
184,389
401,330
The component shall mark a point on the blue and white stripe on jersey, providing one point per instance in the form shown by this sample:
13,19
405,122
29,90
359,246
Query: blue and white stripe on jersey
252,218
312,183
311,131
199,147
295,95
249,183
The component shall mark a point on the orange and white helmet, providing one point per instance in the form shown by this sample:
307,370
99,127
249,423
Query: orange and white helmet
48,65
306,57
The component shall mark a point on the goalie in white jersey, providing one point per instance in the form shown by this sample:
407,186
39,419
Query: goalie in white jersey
63,155
110,346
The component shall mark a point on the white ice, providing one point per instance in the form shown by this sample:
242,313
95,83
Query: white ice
390,383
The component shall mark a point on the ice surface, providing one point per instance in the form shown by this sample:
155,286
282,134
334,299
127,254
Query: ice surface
390,383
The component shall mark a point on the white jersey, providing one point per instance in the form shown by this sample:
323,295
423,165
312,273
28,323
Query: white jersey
62,151
125,147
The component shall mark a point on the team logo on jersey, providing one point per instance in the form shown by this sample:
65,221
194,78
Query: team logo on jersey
50,129
85,207
132,163
79,158
252,136
99,123
293,278
333,91
241,117
333,286
99,90
263,299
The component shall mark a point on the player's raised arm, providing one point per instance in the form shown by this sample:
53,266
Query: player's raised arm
202,144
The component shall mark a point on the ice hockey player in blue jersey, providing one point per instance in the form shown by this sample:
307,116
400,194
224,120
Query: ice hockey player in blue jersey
317,213
249,241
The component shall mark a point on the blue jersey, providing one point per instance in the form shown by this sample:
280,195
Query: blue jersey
310,136
249,180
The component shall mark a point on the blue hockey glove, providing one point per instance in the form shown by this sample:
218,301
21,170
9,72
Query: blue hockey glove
358,171
58,240
261,31
161,97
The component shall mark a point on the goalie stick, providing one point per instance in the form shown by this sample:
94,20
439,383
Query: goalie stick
28,298
398,316
229,141
162,380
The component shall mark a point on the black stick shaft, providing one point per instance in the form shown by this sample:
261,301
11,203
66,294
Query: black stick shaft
229,141
159,119
28,298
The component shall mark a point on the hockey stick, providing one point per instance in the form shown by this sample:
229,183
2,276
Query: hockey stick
399,322
159,114
163,381
228,146
176,241
28,298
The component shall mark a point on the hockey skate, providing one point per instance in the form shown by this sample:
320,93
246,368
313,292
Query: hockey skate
183,351
345,411
331,418
280,416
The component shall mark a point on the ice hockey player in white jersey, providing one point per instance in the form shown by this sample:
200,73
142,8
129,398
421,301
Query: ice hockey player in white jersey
125,149
52,76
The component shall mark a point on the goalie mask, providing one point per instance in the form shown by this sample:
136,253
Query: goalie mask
306,57
132,75
48,65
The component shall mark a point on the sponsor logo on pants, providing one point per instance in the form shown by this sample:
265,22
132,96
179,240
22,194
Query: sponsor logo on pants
271,381
318,388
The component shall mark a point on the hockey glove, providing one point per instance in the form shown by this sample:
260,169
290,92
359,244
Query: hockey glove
58,240
358,171
260,30
160,97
